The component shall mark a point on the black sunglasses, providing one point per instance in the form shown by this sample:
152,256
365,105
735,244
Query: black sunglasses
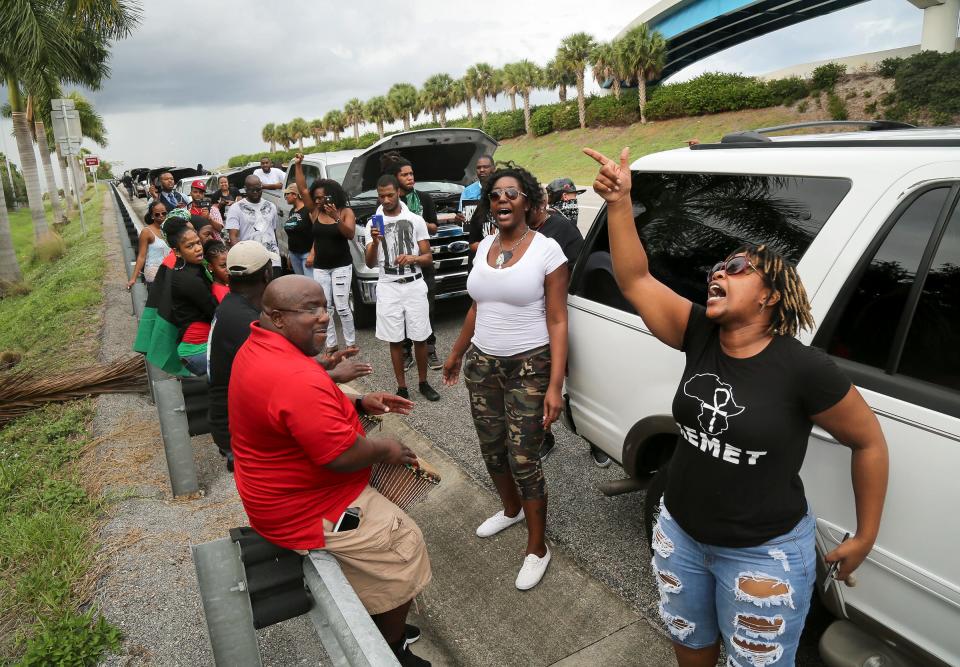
512,194
732,266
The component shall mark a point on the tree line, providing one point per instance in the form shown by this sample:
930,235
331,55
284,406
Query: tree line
634,59
45,44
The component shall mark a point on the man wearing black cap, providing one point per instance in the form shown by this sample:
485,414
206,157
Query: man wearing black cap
562,197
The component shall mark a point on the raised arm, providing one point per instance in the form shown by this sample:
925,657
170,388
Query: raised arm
662,309
305,195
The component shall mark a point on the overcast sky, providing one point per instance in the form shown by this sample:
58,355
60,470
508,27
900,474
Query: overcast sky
198,80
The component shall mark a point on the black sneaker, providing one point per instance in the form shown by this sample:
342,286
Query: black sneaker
229,461
599,457
546,449
411,634
407,360
429,392
408,659
403,392
433,361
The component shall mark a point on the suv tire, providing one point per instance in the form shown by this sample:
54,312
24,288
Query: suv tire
364,315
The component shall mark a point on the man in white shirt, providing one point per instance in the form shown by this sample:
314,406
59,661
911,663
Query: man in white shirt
254,219
400,251
270,177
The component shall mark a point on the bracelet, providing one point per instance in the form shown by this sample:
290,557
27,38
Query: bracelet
358,405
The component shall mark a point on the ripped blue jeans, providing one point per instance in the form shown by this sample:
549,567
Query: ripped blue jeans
755,598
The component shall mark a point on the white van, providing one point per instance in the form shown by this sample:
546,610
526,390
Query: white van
871,219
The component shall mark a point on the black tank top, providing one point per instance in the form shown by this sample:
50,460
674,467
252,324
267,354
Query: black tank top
330,247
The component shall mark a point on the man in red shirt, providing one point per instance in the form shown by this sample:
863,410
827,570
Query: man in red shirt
302,458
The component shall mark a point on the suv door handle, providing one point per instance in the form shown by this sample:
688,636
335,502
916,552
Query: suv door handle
820,434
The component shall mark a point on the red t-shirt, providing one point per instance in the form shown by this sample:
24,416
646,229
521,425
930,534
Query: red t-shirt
219,291
287,420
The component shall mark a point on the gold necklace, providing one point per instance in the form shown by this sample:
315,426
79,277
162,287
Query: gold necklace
505,256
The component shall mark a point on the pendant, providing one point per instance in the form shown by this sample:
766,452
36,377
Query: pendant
500,260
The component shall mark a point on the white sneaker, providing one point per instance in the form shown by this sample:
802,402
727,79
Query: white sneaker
498,522
532,571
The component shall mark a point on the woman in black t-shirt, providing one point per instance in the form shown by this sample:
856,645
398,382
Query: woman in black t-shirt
224,195
734,548
334,226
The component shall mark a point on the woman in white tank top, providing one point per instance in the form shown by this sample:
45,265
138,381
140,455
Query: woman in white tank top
513,350
152,246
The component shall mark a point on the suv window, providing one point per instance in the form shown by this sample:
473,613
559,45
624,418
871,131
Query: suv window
866,329
310,174
898,318
688,222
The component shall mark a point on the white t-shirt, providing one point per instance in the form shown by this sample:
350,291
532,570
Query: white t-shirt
256,222
511,309
403,234
275,176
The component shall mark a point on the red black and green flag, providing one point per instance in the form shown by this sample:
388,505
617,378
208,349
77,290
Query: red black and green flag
157,335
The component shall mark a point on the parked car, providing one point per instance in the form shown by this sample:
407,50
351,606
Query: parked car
871,219
444,161
140,182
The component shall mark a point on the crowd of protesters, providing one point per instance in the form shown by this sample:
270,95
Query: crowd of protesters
302,460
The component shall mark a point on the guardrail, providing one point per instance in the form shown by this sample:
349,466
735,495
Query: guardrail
228,584
165,389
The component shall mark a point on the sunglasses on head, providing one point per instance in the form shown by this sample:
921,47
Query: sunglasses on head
732,266
512,194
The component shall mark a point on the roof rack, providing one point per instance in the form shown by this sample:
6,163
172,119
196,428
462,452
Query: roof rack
758,135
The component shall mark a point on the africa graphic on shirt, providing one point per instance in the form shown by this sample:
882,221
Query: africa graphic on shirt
717,404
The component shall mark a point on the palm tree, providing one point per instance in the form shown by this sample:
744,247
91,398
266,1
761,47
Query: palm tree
46,43
404,102
470,82
282,134
269,136
555,76
353,115
438,96
508,81
9,267
377,110
527,76
298,130
605,61
335,123
317,129
644,56
573,54
486,86
458,95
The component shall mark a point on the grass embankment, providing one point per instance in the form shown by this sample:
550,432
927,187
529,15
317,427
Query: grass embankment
559,154
47,518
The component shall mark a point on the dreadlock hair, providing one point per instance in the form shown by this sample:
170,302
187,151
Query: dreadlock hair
212,248
528,185
792,312
392,162
331,189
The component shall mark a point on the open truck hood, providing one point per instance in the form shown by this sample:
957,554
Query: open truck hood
443,154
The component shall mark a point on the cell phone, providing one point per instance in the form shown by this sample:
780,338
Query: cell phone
378,221
349,520
834,566
327,199
204,203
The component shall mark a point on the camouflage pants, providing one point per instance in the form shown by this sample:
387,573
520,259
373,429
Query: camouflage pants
506,399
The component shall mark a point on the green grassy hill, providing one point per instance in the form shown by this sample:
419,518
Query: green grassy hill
559,154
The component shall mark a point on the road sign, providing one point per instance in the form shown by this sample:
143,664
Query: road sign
91,161
66,126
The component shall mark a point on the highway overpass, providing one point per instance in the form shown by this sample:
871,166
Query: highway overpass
696,29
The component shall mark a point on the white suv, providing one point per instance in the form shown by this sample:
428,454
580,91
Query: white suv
871,219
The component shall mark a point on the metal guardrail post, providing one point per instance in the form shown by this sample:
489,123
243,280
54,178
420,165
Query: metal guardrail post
172,412
349,635
226,604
